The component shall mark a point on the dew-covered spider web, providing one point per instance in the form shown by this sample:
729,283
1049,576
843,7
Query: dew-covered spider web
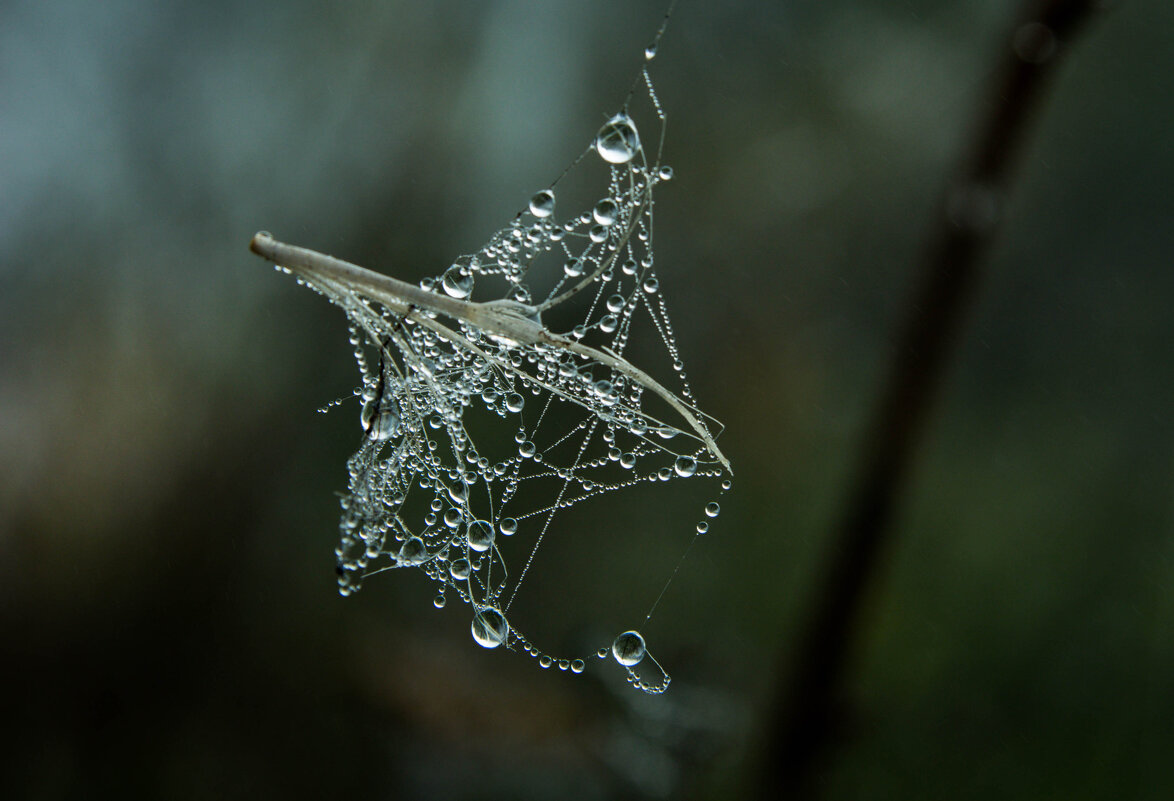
487,421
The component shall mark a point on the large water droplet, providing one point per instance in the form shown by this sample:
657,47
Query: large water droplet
384,426
605,212
508,526
617,141
480,535
457,282
412,551
490,628
712,509
542,204
460,569
514,402
685,466
628,648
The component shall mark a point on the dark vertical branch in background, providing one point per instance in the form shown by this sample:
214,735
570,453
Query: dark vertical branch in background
802,728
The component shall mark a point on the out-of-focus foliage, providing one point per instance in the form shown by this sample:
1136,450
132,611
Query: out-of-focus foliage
169,624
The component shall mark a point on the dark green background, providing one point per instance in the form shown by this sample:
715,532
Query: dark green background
169,624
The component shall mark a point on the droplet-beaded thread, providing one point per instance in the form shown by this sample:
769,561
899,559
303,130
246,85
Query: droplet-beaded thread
423,494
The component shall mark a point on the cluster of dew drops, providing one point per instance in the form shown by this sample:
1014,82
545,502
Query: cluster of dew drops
412,410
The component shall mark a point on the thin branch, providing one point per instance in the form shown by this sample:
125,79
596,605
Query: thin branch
800,730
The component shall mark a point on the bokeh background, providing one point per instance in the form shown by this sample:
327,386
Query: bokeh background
169,623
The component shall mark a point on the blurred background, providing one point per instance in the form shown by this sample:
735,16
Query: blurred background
169,621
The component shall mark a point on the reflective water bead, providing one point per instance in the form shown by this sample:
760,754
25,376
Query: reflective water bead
439,601
514,402
460,569
685,466
508,526
545,661
628,460
452,518
628,648
577,666
651,285
573,268
542,204
412,551
650,52
605,211
601,653
727,484
563,664
629,267
490,628
457,282
712,509
617,141
666,173
615,303
608,323
702,527
480,535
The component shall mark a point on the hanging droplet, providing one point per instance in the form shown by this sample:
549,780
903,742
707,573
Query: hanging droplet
457,282
573,268
542,204
712,509
490,628
439,601
514,402
577,666
615,303
617,141
651,285
480,535
666,173
628,648
508,526
460,569
412,551
605,211
650,52
685,466
702,527
384,426
608,323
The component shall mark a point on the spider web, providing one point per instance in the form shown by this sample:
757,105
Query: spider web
475,442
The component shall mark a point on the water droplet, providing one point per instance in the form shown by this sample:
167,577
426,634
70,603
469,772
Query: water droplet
490,628
650,52
514,402
605,211
628,460
617,141
573,268
651,285
545,661
577,666
598,233
457,282
601,653
685,466
542,204
508,526
412,551
460,569
666,173
526,449
480,535
727,484
452,518
702,527
384,426
712,509
615,303
439,601
563,664
628,648
608,323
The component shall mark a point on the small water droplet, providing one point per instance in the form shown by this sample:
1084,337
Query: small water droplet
439,601
490,628
650,52
508,526
615,303
608,323
514,402
460,569
712,509
545,661
628,648
685,466
577,666
542,204
573,268
617,141
702,527
666,173
651,285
